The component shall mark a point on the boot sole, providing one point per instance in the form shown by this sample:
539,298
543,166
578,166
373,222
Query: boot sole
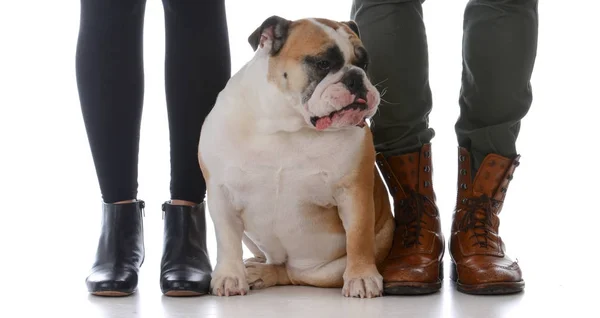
111,293
183,293
491,288
183,288
414,288
498,288
410,288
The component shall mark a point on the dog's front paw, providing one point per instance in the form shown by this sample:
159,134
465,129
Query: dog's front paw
229,282
369,285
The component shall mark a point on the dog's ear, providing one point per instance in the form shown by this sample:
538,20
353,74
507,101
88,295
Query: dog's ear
353,26
274,30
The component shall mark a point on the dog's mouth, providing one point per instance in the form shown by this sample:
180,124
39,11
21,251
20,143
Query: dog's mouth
353,114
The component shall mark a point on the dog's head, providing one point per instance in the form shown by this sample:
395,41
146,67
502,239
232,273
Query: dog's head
320,64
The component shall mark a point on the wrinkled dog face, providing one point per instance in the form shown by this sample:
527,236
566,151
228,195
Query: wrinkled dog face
322,65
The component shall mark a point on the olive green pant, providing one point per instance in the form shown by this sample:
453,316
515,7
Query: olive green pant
499,49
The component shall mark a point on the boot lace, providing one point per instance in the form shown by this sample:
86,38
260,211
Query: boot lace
412,210
478,219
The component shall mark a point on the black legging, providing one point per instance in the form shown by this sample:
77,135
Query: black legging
110,78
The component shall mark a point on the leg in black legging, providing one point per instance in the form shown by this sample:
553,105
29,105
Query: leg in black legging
110,82
197,69
110,79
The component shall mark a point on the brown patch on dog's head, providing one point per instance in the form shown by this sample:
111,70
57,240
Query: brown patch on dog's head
303,52
349,26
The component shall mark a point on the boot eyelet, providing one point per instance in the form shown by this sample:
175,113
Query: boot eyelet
427,154
510,177
461,158
427,168
426,184
503,190
463,186
464,201
463,172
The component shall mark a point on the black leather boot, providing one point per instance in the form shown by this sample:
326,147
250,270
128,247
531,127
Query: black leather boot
185,266
120,252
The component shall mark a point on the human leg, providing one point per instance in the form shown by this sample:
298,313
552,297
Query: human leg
499,50
394,35
109,71
197,67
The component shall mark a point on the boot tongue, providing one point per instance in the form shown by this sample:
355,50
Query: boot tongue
407,167
490,175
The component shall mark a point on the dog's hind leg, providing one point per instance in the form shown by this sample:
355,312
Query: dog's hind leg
329,275
262,275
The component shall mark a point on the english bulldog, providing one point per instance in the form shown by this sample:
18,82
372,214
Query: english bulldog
290,165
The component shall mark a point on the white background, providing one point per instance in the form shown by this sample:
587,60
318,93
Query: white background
50,211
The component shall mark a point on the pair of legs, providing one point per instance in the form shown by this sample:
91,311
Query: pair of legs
499,50
110,79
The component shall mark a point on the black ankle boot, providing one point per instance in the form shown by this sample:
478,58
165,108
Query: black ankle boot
185,266
120,251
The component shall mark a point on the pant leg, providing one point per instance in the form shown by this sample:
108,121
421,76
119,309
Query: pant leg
110,81
197,67
499,50
394,35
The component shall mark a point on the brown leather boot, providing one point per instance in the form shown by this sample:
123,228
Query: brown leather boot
479,262
414,264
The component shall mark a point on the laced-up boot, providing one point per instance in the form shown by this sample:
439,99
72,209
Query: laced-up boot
479,262
414,264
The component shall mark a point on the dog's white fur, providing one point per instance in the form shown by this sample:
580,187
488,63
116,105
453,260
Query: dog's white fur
284,188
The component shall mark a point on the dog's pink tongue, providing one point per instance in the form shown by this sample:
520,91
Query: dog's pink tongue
323,123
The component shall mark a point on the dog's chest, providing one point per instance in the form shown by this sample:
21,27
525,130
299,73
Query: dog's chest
270,185
283,173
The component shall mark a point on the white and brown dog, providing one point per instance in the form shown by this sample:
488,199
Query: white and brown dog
290,164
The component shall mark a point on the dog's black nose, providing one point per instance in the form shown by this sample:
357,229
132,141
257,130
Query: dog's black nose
353,80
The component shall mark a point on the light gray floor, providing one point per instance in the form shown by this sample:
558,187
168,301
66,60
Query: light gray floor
540,299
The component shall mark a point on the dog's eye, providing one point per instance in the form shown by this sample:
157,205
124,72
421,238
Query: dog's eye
324,65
